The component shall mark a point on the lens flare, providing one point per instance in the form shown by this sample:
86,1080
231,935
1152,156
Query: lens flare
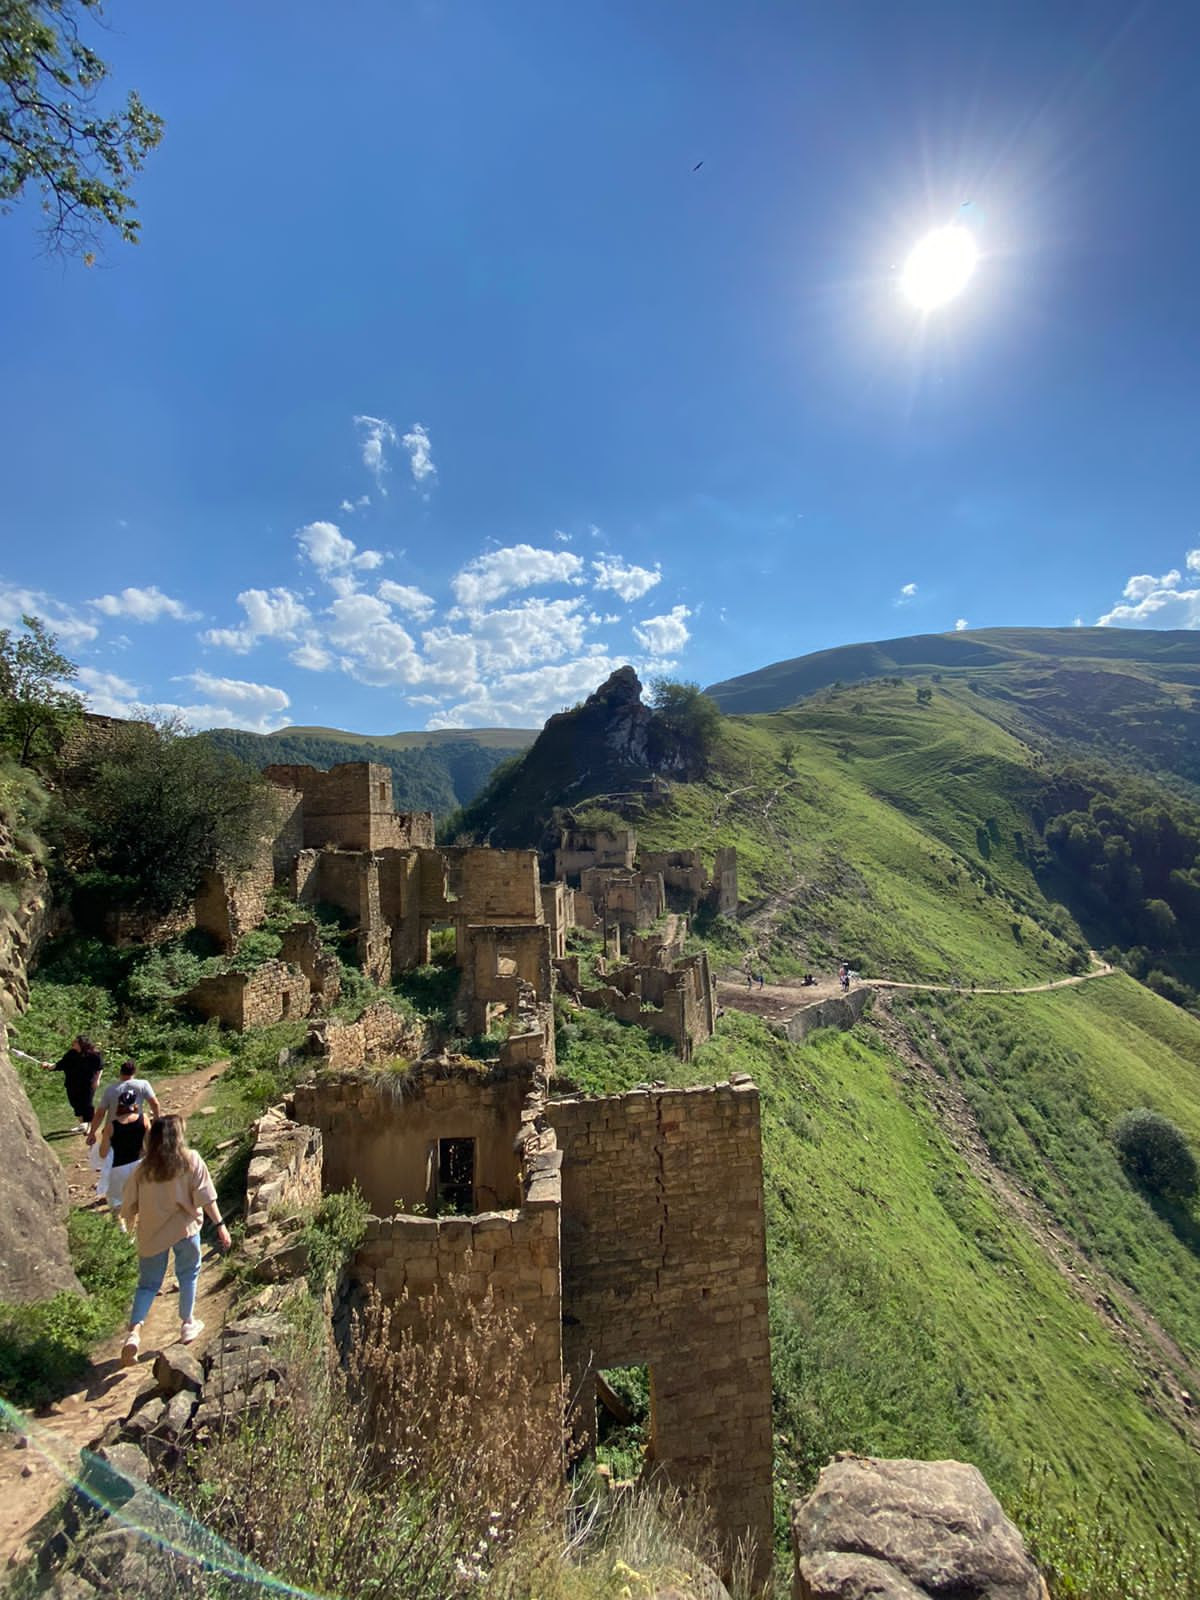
939,267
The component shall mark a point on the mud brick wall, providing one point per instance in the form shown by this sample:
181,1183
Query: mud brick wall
379,1132
581,848
380,1034
664,1264
242,1000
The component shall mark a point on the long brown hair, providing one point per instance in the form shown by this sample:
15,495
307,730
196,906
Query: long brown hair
166,1153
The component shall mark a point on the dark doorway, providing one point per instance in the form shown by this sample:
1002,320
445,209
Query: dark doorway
456,1177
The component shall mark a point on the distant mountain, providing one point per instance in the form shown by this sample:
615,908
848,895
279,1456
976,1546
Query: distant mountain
1134,694
436,772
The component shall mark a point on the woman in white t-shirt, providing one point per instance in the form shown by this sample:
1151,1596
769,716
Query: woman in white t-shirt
165,1196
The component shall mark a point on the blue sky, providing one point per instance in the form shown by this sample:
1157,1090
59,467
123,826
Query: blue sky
442,383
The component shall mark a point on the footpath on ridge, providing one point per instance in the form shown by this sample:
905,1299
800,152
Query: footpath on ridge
31,1478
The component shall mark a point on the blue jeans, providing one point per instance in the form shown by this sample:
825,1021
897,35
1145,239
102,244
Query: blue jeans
153,1269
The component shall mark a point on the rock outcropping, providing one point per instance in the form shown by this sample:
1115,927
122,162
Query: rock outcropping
907,1530
34,1259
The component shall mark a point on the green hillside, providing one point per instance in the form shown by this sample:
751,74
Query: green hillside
438,771
959,1264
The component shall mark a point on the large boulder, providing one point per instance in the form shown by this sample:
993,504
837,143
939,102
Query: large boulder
34,1259
907,1530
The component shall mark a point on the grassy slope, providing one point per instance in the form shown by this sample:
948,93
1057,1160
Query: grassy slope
914,1313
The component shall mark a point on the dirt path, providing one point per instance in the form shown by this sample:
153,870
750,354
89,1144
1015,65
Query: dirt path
777,1001
32,1476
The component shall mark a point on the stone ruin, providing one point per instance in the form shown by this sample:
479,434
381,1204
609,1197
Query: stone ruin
337,842
622,1230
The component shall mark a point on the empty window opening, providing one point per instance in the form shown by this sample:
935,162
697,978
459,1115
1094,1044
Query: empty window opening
623,1420
383,794
506,964
443,946
455,1177
285,1005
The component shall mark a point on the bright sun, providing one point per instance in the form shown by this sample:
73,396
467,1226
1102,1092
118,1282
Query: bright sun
939,266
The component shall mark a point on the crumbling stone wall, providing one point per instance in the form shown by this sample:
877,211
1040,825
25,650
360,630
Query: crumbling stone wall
664,1264
838,1011
673,1001
382,1131
227,905
558,910
581,848
381,1034
301,947
284,1172
271,993
350,806
723,890
630,899
497,961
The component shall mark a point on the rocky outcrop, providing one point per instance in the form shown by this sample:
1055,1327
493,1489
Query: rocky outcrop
34,1259
907,1530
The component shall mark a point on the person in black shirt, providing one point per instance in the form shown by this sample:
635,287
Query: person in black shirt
124,1137
81,1068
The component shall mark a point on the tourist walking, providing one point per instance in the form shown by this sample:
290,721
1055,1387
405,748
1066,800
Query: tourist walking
106,1106
123,1140
164,1198
81,1068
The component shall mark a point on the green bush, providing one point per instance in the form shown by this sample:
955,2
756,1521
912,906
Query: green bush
1156,1155
333,1235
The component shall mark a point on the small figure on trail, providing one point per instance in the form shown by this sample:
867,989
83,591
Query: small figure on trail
749,978
81,1068
844,976
761,980
123,1139
165,1196
106,1109
807,981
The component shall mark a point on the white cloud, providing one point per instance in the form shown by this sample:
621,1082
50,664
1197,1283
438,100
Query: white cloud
377,434
1151,602
15,602
908,591
512,639
270,614
416,442
563,538
312,656
143,605
517,566
1143,585
405,597
961,625
379,650
625,580
107,694
234,703
351,506
329,550
665,635
525,699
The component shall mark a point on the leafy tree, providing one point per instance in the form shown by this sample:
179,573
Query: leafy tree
686,715
924,695
36,707
152,806
54,134
1156,1155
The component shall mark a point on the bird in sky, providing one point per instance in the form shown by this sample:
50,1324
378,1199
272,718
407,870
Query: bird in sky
697,167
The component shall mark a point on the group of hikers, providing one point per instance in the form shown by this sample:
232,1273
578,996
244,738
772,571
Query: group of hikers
153,1183
846,976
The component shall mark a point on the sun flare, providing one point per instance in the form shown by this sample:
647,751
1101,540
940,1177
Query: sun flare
939,267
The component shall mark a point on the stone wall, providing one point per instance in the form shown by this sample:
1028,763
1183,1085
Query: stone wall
301,947
581,848
382,1131
673,1001
723,890
558,911
350,807
497,960
664,1265
631,899
839,1011
228,905
284,1173
271,993
381,1034
683,875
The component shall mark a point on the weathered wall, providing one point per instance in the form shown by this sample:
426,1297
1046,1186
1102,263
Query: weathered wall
241,1000
633,899
284,1172
558,910
496,961
664,1264
301,947
723,891
380,1034
675,1002
350,806
839,1011
228,905
682,874
581,848
378,1132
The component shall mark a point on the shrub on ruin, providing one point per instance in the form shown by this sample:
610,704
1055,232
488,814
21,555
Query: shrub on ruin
1156,1154
150,806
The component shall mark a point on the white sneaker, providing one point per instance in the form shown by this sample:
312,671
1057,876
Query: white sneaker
190,1330
129,1350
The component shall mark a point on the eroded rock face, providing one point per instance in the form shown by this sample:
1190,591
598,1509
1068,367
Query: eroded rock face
34,1260
907,1530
